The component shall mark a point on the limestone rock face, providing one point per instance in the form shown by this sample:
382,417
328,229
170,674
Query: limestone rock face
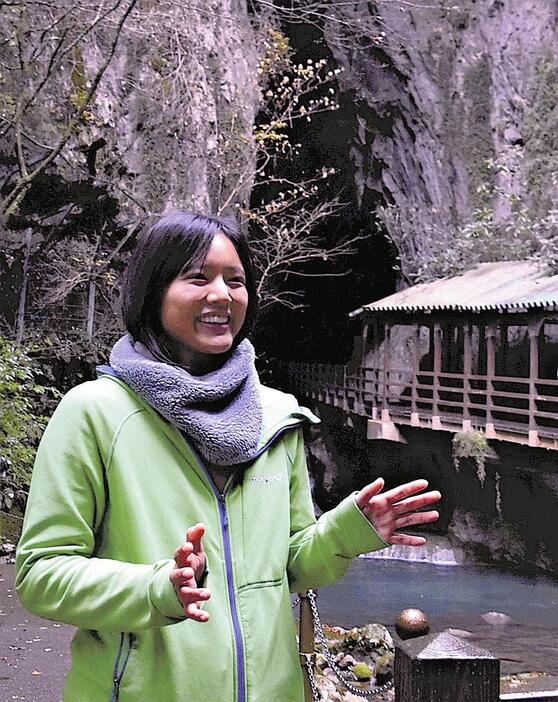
185,102
451,87
167,125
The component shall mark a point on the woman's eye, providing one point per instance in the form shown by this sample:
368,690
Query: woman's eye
195,276
236,282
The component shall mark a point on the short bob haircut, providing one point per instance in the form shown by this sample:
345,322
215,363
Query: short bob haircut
174,243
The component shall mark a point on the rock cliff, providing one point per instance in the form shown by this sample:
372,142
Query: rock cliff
453,98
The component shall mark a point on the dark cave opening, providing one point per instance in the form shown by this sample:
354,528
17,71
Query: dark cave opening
321,330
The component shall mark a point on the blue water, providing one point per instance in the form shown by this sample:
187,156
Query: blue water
377,590
454,597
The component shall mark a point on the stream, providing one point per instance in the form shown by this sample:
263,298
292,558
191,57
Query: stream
456,597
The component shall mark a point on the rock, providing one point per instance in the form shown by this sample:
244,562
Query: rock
346,662
496,618
452,88
364,651
461,633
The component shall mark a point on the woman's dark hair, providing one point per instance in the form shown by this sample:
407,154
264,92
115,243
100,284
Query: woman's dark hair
175,242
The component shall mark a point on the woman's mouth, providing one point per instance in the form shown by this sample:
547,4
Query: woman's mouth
215,319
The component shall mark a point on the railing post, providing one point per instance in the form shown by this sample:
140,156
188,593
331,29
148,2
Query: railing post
443,667
533,330
385,402
467,370
415,421
490,334
437,367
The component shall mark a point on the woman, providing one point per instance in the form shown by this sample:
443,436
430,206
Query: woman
178,436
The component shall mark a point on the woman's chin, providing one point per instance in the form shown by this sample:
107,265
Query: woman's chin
216,345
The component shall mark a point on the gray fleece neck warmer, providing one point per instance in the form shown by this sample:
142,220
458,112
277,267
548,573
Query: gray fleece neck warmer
220,412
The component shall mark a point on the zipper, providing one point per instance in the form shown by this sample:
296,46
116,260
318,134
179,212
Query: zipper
224,524
239,645
118,669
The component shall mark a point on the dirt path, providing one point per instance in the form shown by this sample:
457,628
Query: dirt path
34,653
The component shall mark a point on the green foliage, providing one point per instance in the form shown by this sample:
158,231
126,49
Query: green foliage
362,671
473,445
478,132
79,81
23,402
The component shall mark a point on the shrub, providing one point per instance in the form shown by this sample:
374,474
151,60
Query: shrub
23,405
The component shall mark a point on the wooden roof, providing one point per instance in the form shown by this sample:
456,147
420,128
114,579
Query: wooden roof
502,286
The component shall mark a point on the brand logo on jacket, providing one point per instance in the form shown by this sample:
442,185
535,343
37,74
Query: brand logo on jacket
272,478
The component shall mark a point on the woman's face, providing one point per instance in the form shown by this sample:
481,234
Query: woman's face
203,309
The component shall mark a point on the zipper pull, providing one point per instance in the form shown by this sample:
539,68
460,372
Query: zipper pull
224,510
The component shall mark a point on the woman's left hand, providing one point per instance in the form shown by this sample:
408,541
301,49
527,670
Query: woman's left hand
398,508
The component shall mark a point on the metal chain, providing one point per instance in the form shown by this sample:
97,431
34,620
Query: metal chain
316,696
319,633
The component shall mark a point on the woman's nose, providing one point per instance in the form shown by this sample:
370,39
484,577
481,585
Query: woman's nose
219,291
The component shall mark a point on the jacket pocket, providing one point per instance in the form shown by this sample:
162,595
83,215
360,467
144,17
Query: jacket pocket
258,584
120,663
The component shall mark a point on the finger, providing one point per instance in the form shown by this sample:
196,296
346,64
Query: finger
406,540
416,518
193,594
400,492
181,554
193,611
417,502
368,492
194,536
181,574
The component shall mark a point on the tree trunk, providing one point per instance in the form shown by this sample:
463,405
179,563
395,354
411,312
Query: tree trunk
91,309
20,322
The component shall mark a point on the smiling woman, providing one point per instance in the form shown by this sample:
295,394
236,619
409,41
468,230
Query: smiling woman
204,309
178,437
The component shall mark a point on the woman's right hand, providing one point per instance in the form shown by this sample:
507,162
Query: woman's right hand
190,564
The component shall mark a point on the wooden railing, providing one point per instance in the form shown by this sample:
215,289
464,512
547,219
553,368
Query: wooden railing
524,410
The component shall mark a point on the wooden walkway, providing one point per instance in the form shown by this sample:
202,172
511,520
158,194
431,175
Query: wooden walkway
517,409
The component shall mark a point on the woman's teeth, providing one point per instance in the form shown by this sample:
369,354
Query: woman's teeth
214,319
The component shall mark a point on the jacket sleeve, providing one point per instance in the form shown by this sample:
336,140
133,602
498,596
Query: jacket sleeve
57,574
320,551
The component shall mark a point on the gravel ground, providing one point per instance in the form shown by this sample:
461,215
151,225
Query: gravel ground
34,653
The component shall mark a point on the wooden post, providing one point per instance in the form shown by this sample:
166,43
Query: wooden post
415,421
437,367
467,369
376,370
490,373
533,329
306,651
385,402
443,667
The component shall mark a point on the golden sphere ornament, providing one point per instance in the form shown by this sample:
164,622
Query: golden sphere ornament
412,622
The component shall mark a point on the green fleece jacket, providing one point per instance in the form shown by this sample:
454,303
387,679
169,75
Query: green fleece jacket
114,489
